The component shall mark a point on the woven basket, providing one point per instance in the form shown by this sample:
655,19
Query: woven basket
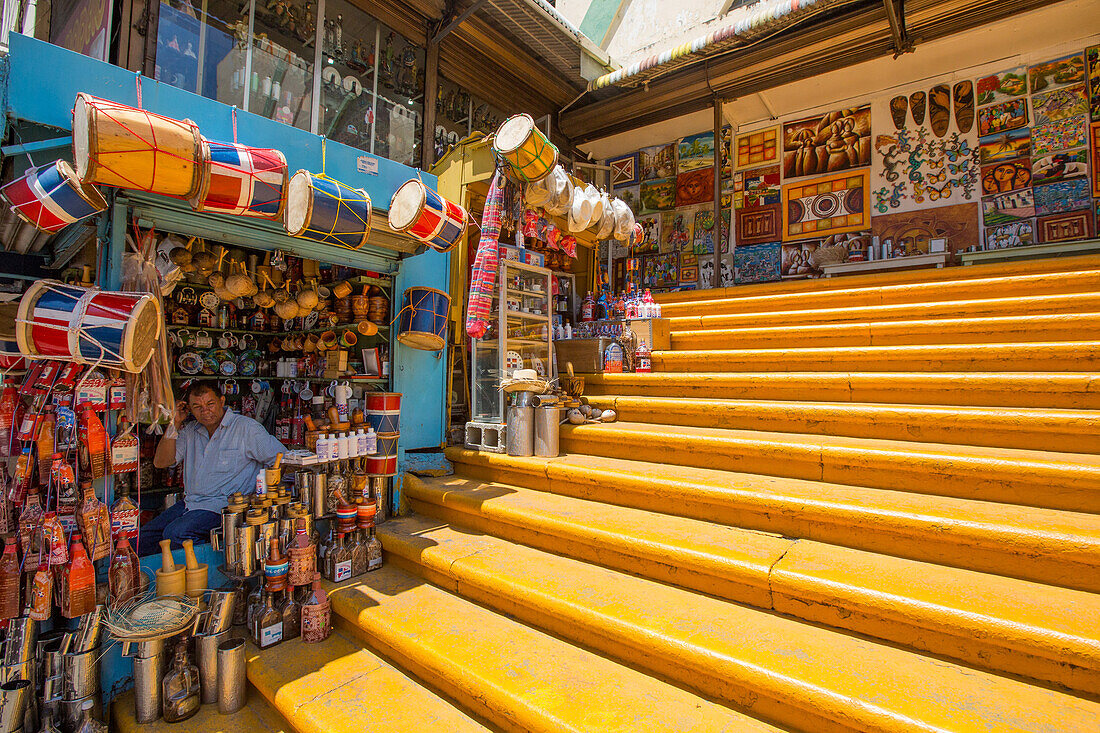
828,256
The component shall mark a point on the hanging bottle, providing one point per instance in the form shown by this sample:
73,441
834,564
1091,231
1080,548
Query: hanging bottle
93,442
24,475
316,614
124,513
54,540
30,520
78,582
64,482
94,523
182,693
124,449
10,575
45,443
41,605
123,575
8,401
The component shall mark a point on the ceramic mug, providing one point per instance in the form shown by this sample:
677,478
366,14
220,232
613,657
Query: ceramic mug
341,289
203,340
310,343
367,328
227,340
348,339
230,387
327,341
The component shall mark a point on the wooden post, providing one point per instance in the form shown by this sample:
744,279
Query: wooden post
431,90
717,277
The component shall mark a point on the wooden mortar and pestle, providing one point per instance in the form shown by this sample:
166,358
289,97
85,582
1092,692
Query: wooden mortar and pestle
170,579
195,572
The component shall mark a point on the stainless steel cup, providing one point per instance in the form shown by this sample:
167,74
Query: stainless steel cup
231,676
246,548
14,698
320,494
264,536
220,604
71,712
80,674
231,521
20,642
150,664
87,633
206,653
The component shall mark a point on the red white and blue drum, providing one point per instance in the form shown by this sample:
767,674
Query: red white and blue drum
422,323
88,326
10,356
51,197
383,401
384,412
237,179
422,213
328,211
384,461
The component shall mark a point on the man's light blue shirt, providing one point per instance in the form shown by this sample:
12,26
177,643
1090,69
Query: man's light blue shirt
214,466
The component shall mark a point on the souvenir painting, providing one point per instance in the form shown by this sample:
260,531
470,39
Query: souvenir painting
1008,207
759,225
757,147
796,262
1058,135
695,152
1094,136
1016,234
727,152
759,263
695,187
689,275
757,187
704,230
658,195
835,141
1092,60
688,259
666,270
1060,166
1061,72
1006,146
1059,104
1002,117
832,205
1063,196
651,234
658,162
676,230
1011,175
912,232
1002,86
632,197
1065,227
624,170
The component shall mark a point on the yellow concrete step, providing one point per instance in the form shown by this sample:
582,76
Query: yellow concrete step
1022,306
1042,545
338,685
993,330
749,301
792,673
1068,431
1069,481
257,716
986,621
988,389
1077,263
516,677
1033,357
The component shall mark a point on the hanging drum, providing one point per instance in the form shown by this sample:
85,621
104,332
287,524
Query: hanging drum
11,357
88,326
50,197
422,323
324,210
384,411
116,145
240,180
531,155
420,212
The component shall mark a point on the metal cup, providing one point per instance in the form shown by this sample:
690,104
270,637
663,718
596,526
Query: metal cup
231,520
206,652
263,539
246,548
71,712
220,604
14,698
320,494
148,678
80,674
87,633
20,642
231,676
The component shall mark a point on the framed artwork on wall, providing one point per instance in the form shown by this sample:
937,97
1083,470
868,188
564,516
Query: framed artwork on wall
832,205
624,170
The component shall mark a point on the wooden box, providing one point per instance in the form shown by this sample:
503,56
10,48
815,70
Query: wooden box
654,331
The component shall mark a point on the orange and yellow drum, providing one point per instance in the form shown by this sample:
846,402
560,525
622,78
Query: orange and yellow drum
531,155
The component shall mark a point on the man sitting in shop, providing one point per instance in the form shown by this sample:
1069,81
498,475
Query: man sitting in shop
222,451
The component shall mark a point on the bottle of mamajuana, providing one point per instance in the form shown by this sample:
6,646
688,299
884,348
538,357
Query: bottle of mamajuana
268,624
123,579
338,561
182,691
316,614
292,615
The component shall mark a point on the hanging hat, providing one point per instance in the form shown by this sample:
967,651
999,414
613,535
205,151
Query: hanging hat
606,225
562,199
624,220
538,193
580,213
593,195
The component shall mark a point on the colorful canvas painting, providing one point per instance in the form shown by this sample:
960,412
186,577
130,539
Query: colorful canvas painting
727,152
1010,175
658,162
632,197
1006,146
624,170
758,263
1065,227
757,187
651,234
1094,136
1060,166
913,169
1008,207
1002,86
658,195
1059,135
758,147
677,230
662,270
1059,104
1016,234
912,232
1062,72
695,187
1002,117
704,230
796,262
1063,196
1092,60
835,141
832,205
763,224
695,152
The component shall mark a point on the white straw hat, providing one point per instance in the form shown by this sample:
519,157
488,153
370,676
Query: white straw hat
580,213
607,221
624,220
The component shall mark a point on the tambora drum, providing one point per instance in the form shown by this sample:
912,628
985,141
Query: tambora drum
88,326
384,461
10,356
51,197
531,155
422,323
324,210
116,145
383,411
422,213
241,180
384,422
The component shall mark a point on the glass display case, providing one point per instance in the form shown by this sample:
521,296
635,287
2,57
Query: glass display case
519,337
565,299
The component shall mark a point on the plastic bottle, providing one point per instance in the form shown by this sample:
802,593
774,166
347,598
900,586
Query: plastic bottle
123,580
333,447
322,449
94,439
642,358
124,449
342,446
261,482
8,400
10,576
372,442
360,443
78,582
45,445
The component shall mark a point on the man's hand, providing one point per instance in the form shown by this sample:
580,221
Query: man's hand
182,411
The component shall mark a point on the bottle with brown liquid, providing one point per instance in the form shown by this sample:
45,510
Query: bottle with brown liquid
77,582
374,550
268,624
123,579
338,561
292,615
67,498
316,614
46,455
124,513
303,556
276,567
94,522
10,575
358,554
182,692
30,520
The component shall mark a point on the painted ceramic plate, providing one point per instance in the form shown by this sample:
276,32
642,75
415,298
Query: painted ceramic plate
228,368
512,360
210,365
247,367
190,363
208,300
538,366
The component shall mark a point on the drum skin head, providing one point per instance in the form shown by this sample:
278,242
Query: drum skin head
421,340
406,205
80,137
514,132
299,199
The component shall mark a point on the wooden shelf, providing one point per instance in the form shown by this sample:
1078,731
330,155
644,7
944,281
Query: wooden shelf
528,293
208,329
529,316
1031,251
349,377
935,259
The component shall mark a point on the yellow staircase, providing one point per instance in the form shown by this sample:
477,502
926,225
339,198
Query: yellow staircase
863,504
